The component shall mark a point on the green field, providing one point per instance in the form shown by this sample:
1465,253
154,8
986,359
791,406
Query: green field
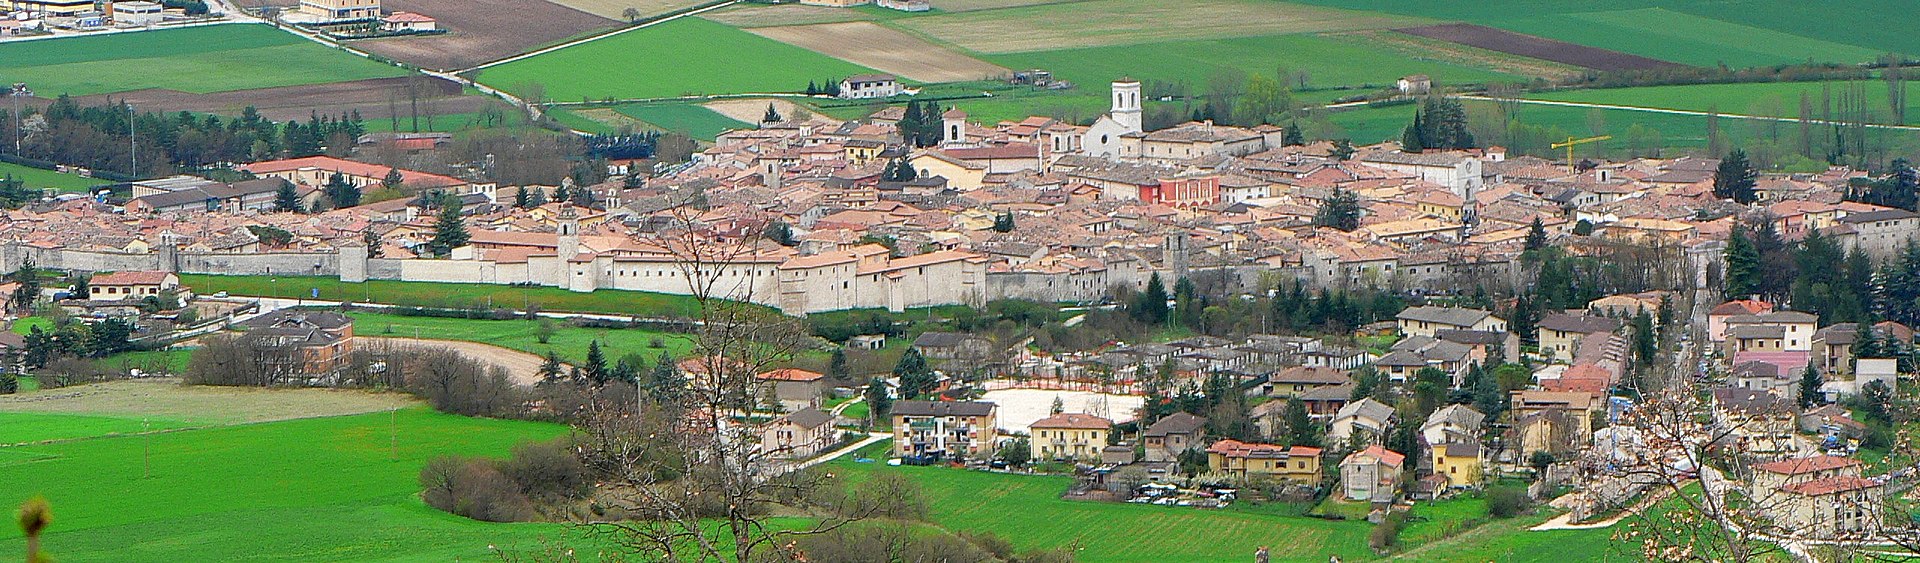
40,178
1685,38
448,295
321,489
204,59
1774,99
695,121
20,427
684,57
569,341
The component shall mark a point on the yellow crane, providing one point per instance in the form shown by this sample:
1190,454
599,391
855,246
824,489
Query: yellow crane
1571,142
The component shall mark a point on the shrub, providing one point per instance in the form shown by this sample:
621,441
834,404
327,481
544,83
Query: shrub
473,488
1387,532
547,470
1507,501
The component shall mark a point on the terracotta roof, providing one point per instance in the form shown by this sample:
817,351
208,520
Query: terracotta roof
1830,485
1073,420
1804,465
1236,448
129,278
792,374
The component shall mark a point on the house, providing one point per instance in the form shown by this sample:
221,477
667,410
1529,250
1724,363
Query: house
1070,436
941,429
1365,420
1832,421
137,13
1247,461
1428,320
1819,496
1765,377
1561,335
301,343
796,389
408,22
1414,85
953,345
131,286
1833,348
1552,421
1294,380
867,86
1173,434
1629,304
1457,462
800,434
1718,317
1372,474
1762,421
337,11
247,195
1880,233
1775,331
1452,424
1323,402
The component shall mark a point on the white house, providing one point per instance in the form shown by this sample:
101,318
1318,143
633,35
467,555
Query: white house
864,86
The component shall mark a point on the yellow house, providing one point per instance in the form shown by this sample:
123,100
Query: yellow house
1070,436
1459,463
1299,464
960,174
1441,203
860,151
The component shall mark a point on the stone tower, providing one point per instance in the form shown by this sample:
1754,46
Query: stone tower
1126,103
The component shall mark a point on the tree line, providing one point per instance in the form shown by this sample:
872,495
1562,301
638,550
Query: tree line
96,137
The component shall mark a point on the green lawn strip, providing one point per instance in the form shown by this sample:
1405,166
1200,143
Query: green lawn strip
448,295
40,178
24,427
1028,511
197,59
1435,520
25,325
693,120
570,342
322,489
681,57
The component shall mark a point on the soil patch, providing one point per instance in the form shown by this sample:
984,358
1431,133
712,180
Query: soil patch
482,31
1537,47
375,99
872,46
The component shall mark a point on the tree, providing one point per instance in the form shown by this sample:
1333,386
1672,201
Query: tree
916,378
29,279
899,170
1743,265
1536,235
35,516
632,15
596,366
780,233
1440,123
1340,211
772,116
550,370
665,384
1017,452
1540,461
522,199
1736,178
1809,387
1644,345
1003,223
1150,307
391,181
287,200
837,368
1300,428
1291,136
1342,149
344,194
449,230
879,401
1058,406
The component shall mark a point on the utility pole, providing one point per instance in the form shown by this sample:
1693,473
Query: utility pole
146,446
133,154
19,91
393,438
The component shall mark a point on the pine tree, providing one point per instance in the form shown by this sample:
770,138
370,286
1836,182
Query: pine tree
550,369
1340,211
1644,345
1150,307
1291,136
879,402
521,198
344,194
837,368
1300,428
1413,138
392,180
1536,235
1003,223
1342,149
596,368
450,230
665,385
1736,178
29,279
286,199
1809,387
772,115
916,378
1743,265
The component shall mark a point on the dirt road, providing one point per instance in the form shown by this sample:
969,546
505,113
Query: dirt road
523,366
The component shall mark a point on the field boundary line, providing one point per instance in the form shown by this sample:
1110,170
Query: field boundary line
1671,111
538,52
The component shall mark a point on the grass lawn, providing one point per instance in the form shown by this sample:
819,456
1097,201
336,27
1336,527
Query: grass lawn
1028,511
319,489
693,120
448,295
569,341
172,361
25,325
23,427
203,59
1510,540
683,57
1436,520
40,178
1118,22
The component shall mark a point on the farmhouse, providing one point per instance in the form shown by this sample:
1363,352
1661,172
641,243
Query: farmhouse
866,86
408,22
124,286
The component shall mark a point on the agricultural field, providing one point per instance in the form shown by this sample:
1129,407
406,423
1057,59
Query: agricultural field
249,492
616,9
568,341
169,404
1685,38
379,100
200,60
483,31
1537,47
689,56
1095,23
27,427
449,295
693,120
870,45
763,15
40,178
1772,99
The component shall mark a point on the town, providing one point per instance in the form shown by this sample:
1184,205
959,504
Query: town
1050,314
